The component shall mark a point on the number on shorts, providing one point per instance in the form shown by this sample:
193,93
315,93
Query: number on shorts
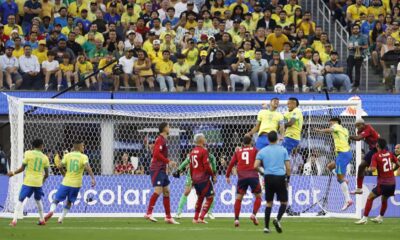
245,157
387,165
194,161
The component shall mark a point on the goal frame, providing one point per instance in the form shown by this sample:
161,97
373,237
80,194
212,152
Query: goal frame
22,102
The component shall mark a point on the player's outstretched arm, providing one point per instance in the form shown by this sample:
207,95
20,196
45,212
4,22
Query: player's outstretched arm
356,137
90,172
19,170
254,129
323,130
257,166
184,164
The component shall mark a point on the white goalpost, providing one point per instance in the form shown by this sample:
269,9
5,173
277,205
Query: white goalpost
119,133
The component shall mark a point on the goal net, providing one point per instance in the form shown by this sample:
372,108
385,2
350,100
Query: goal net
119,137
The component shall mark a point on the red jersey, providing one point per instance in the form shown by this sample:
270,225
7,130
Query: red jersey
383,162
244,158
370,135
160,155
200,168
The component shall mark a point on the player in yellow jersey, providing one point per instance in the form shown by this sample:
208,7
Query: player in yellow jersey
344,155
268,120
72,167
293,124
34,164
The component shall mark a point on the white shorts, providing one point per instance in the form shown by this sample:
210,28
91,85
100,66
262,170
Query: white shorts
214,71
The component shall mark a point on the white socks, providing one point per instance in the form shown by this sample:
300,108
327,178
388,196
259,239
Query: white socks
53,207
65,212
17,210
345,190
40,209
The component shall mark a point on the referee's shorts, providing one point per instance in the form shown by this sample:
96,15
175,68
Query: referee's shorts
275,185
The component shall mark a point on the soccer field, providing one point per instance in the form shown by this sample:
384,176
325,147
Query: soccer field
137,228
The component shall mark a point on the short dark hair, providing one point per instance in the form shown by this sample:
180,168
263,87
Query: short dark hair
51,53
382,143
37,143
77,141
272,136
335,119
294,99
275,98
246,140
162,126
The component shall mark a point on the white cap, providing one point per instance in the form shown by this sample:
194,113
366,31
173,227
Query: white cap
129,32
156,41
360,120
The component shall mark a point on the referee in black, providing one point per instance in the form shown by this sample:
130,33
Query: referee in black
275,160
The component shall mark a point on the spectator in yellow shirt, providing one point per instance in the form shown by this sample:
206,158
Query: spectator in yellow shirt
67,69
164,70
248,23
306,24
84,68
155,53
11,25
168,44
354,11
240,3
277,39
74,8
283,21
130,16
106,74
376,9
47,9
181,71
18,50
191,21
191,53
41,51
291,7
219,6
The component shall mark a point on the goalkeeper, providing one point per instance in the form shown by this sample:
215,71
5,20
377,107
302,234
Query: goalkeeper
189,185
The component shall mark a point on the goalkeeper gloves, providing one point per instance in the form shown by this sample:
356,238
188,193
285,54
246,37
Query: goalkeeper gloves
176,174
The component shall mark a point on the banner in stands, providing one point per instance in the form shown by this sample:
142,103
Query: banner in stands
131,194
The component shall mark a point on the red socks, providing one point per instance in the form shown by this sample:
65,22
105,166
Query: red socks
368,207
167,207
238,205
383,208
257,205
152,202
206,207
360,181
197,209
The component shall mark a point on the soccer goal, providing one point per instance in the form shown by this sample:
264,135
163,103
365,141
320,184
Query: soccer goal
119,136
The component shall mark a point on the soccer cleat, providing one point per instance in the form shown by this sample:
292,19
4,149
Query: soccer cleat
347,205
254,219
357,191
178,216
170,221
210,216
202,221
277,225
266,230
48,216
13,223
41,223
363,220
194,221
378,219
150,218
237,223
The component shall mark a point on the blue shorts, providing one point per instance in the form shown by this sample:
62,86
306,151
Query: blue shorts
253,183
262,141
65,192
204,189
368,156
290,144
27,191
159,178
342,160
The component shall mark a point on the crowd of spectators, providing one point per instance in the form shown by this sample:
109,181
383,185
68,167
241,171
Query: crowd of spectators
374,26
166,45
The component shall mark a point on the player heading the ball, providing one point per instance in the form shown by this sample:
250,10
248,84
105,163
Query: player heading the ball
383,162
344,155
34,164
72,167
268,120
158,174
202,173
294,124
244,158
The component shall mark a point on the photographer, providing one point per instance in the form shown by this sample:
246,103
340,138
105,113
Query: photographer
241,69
3,161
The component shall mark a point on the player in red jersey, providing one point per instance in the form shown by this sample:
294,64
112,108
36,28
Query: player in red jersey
245,157
159,177
370,136
201,172
383,162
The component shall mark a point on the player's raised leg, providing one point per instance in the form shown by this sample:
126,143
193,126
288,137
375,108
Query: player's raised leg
342,160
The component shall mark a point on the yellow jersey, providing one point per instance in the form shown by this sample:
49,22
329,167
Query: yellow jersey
269,121
191,56
103,62
35,162
180,70
340,138
41,56
294,131
277,42
18,52
85,67
289,9
355,11
75,164
66,68
7,30
376,11
164,67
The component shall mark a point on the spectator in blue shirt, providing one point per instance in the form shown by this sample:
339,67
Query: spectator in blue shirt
170,17
7,8
83,20
367,26
335,76
62,19
112,16
46,27
357,45
32,8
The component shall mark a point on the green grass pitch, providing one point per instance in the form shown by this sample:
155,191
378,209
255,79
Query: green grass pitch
218,229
